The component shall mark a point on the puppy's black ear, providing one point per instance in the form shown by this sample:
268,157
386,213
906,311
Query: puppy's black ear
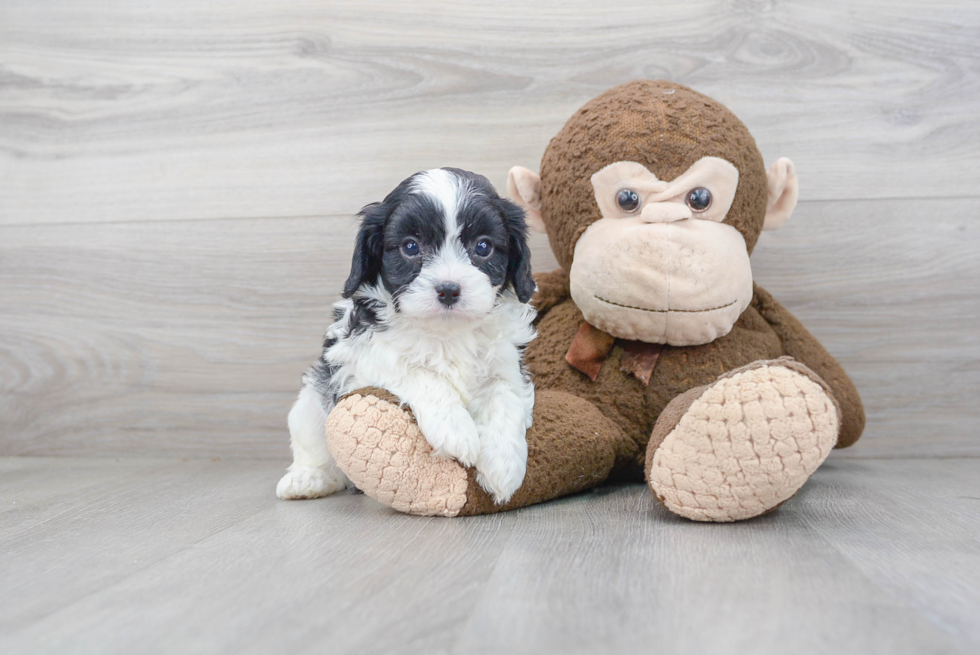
368,248
519,260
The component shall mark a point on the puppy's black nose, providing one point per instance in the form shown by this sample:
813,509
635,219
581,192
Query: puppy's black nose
448,293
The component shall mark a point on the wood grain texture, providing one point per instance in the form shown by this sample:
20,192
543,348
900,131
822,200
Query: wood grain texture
892,289
176,182
142,338
189,338
183,109
772,585
176,185
872,557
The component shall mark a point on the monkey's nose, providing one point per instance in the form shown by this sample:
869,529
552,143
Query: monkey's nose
448,293
665,212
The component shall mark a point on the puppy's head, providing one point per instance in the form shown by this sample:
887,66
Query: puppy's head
444,244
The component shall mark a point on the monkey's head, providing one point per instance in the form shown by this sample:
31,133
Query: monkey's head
653,196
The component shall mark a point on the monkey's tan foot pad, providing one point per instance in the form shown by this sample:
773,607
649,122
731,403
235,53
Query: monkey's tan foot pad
381,449
741,446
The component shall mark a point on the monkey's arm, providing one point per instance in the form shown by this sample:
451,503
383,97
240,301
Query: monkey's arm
552,289
804,347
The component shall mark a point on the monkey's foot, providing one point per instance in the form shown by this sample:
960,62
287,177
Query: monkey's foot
381,449
741,446
378,445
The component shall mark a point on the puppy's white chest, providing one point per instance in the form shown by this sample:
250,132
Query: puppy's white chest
464,368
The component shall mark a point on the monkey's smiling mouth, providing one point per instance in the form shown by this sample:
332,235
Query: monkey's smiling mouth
665,311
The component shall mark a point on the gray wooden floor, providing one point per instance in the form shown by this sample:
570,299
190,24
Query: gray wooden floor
152,555
177,185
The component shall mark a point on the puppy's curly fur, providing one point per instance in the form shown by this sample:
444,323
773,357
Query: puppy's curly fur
435,311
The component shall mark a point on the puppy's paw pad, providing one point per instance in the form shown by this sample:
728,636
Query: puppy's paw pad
309,482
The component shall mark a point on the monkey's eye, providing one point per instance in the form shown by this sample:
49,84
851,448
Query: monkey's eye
628,201
410,248
483,248
698,199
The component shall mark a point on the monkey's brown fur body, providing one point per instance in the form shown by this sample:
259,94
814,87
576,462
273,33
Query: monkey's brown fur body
716,424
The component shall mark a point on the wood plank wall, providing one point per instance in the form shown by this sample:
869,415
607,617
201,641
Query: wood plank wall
177,180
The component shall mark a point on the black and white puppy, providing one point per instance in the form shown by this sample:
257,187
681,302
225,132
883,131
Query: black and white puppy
436,312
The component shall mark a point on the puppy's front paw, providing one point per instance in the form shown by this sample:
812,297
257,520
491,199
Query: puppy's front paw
310,482
500,469
451,433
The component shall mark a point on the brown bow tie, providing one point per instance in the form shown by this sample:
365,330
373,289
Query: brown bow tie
591,347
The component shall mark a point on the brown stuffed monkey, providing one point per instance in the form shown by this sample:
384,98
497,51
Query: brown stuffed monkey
656,354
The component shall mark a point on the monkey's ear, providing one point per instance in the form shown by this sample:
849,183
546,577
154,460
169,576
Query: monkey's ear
524,188
368,248
784,191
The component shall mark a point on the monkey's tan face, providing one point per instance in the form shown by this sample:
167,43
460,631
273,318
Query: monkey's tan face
660,266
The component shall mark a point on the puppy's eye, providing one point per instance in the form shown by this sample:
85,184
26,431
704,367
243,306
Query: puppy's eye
483,248
698,199
628,200
410,248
